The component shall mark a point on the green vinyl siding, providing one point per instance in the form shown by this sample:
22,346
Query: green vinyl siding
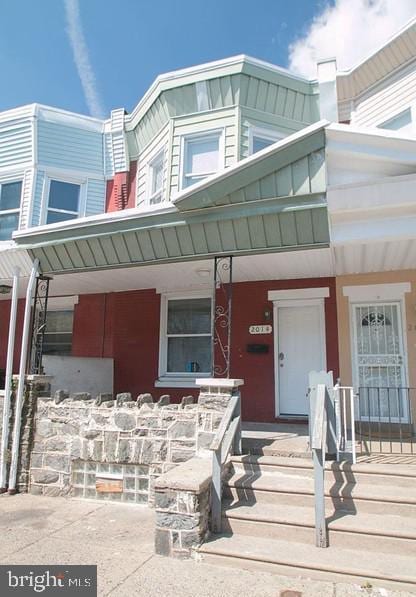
284,230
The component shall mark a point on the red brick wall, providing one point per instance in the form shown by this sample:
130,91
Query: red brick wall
257,370
125,326
4,333
111,201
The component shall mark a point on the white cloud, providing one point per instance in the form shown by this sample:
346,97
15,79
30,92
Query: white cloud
349,30
82,59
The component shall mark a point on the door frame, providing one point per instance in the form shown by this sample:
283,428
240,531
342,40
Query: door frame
295,302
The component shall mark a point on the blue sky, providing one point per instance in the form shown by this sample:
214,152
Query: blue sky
131,41
119,46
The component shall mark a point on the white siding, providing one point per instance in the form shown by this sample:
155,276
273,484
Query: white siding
69,147
151,151
95,202
37,199
27,194
108,151
387,99
16,142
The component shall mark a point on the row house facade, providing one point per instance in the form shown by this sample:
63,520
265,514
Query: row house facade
241,220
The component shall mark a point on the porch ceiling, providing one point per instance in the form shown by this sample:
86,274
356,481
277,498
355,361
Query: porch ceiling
185,276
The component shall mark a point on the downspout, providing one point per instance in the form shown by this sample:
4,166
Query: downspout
21,378
8,380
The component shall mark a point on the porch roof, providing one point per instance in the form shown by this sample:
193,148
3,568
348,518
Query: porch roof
272,201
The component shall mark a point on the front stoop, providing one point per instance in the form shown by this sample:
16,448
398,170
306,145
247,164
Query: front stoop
268,521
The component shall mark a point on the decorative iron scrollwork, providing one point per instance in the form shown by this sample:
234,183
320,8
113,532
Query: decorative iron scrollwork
221,345
40,308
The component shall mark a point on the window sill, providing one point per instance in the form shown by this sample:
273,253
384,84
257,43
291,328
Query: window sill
175,382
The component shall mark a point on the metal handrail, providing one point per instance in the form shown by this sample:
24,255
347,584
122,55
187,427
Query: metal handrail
331,409
227,438
318,447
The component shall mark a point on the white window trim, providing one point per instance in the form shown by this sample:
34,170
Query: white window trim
82,182
377,292
168,379
158,158
298,294
16,210
220,133
263,133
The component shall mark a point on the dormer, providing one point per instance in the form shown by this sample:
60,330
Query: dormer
195,122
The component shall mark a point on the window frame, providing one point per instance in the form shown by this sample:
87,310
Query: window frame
59,309
8,212
192,137
157,159
81,182
171,378
262,133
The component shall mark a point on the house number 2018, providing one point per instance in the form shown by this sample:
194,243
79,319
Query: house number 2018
260,329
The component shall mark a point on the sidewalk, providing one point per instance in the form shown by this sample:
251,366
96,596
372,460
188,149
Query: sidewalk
119,539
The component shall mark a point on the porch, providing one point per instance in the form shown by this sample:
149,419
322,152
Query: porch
292,440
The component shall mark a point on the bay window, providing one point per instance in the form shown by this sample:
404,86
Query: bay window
10,194
201,157
63,201
156,172
261,138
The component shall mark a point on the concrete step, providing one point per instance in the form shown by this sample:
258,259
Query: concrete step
299,490
304,559
370,532
403,476
348,504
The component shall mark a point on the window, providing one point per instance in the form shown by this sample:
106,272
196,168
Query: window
201,157
58,333
262,138
156,171
186,336
402,121
10,193
63,201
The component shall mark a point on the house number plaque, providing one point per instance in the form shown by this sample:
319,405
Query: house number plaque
260,329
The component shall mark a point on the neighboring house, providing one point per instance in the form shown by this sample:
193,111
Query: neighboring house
234,158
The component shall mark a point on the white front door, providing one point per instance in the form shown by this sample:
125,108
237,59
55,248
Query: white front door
299,349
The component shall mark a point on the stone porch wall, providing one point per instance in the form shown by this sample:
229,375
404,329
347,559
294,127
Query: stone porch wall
116,450
26,434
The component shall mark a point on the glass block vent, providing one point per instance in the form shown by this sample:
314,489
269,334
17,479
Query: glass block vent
110,482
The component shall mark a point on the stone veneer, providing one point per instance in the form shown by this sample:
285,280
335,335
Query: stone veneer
79,446
182,495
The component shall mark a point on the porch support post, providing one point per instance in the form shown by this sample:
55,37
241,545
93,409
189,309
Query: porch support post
21,378
40,308
8,381
222,313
